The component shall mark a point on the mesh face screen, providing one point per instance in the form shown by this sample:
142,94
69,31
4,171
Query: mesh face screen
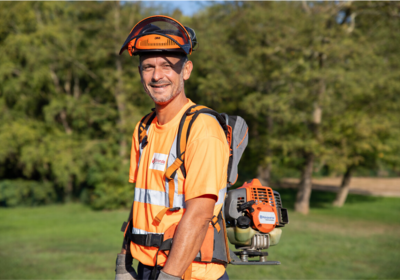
159,25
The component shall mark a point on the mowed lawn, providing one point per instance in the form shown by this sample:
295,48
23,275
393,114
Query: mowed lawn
359,241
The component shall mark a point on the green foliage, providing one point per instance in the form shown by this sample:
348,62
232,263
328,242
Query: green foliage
65,117
318,78
265,63
109,177
26,193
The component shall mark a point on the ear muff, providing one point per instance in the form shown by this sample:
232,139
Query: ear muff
192,37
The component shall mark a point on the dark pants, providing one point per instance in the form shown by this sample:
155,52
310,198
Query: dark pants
144,272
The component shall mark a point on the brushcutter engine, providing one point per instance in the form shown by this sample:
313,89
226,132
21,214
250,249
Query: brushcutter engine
254,217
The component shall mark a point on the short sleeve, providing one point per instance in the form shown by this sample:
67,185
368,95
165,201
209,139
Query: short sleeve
206,166
133,169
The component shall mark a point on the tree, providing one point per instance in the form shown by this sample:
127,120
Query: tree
369,121
308,77
64,98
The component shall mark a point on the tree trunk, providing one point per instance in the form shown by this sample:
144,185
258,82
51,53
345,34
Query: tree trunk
63,117
302,204
305,7
121,110
344,188
118,93
77,90
67,84
69,189
264,172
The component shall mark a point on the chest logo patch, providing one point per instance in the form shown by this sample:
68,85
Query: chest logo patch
158,162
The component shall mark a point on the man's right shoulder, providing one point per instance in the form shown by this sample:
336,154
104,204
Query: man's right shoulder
135,131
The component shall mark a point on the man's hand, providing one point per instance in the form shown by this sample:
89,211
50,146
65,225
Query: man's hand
190,234
124,269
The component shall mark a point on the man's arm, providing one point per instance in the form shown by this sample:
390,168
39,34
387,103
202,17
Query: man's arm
190,234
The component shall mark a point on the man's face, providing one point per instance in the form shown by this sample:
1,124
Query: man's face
163,76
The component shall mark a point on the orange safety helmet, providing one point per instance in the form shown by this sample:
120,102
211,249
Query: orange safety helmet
159,34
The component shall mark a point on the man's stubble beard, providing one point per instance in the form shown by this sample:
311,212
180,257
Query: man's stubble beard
168,98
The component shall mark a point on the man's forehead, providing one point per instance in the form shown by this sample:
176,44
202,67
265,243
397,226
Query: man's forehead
151,58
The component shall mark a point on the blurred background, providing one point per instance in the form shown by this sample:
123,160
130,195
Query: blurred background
317,82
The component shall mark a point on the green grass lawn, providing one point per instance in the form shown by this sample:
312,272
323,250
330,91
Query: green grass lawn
360,240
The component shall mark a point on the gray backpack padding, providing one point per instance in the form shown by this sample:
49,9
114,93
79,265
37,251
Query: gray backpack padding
240,139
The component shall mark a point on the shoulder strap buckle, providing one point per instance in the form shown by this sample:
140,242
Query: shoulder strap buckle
144,125
144,141
214,222
148,240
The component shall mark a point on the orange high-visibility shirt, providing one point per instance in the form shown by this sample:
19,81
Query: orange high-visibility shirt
206,161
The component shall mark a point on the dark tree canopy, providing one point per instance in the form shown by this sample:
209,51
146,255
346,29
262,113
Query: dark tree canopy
317,82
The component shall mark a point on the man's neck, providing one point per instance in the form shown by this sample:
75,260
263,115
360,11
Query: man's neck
166,113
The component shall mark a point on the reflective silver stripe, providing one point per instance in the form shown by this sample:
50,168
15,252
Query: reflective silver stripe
179,201
150,196
159,198
221,196
141,231
140,154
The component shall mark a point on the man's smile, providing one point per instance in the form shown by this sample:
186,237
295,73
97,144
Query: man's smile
159,86
159,89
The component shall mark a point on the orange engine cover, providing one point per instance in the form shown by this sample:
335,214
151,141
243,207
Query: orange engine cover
264,216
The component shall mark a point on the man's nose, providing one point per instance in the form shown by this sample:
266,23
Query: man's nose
158,73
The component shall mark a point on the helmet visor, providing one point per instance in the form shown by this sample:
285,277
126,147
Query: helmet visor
158,33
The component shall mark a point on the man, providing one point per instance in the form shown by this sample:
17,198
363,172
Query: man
163,44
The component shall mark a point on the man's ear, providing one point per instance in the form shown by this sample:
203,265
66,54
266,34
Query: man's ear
187,70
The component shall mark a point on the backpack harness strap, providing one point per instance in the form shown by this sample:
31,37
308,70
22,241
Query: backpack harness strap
164,243
161,241
144,125
185,134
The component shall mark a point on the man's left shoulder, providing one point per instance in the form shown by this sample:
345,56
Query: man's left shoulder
207,126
